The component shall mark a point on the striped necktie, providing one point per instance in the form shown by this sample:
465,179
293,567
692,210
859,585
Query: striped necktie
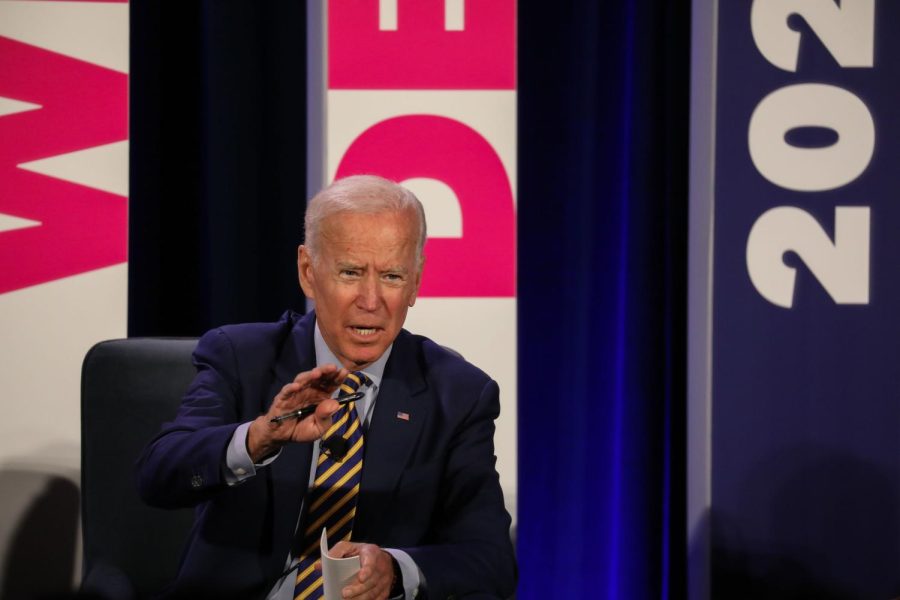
332,499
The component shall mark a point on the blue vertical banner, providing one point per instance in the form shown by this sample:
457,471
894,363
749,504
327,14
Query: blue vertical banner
794,384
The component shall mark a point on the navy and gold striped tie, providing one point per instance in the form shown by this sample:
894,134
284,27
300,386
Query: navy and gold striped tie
332,499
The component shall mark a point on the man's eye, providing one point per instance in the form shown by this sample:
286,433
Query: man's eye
349,273
393,277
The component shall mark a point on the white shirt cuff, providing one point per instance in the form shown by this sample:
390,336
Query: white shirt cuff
412,576
238,464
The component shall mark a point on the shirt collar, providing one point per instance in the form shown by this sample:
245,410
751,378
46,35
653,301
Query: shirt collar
324,356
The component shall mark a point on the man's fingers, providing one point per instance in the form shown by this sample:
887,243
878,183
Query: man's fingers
309,388
325,377
326,408
343,549
289,389
365,586
375,574
320,381
332,376
365,576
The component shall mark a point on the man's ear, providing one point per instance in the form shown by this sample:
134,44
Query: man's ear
305,272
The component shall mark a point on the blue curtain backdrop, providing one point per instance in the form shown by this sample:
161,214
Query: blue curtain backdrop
217,188
603,104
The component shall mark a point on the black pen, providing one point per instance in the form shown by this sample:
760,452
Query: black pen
311,408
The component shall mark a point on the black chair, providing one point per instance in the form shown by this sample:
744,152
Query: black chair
128,389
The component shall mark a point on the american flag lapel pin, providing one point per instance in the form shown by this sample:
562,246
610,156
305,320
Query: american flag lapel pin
403,416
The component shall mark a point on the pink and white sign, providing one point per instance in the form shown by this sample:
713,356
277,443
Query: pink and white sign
63,113
423,92
460,157
422,45
63,223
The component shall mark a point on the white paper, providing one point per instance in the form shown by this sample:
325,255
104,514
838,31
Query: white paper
336,572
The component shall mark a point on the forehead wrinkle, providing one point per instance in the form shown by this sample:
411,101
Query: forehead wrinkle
346,247
345,242
348,264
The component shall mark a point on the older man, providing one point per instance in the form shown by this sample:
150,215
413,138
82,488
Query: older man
403,476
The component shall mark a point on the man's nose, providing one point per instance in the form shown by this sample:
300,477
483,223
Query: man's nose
367,298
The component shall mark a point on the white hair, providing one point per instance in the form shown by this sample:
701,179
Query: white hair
366,194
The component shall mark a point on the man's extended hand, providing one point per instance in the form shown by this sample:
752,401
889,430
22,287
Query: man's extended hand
309,387
376,570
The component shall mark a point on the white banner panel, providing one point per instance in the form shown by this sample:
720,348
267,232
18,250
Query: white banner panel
63,232
424,93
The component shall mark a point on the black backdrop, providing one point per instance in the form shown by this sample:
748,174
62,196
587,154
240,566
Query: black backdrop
217,192
218,161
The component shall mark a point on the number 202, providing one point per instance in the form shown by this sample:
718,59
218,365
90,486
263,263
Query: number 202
841,266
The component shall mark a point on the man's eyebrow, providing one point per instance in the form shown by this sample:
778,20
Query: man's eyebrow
348,265
388,269
394,269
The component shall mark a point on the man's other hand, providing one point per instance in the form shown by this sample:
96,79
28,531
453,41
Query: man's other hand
376,570
310,387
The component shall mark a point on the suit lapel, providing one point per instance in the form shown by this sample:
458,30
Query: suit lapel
401,410
297,354
289,475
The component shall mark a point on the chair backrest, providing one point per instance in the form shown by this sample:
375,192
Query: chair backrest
128,389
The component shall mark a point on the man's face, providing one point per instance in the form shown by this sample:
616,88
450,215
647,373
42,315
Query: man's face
365,279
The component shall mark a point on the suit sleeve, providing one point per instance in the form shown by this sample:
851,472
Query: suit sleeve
183,465
471,550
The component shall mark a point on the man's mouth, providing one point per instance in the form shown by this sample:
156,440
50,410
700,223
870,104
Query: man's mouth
364,331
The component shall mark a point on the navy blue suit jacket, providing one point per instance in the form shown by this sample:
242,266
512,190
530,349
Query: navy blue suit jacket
429,485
